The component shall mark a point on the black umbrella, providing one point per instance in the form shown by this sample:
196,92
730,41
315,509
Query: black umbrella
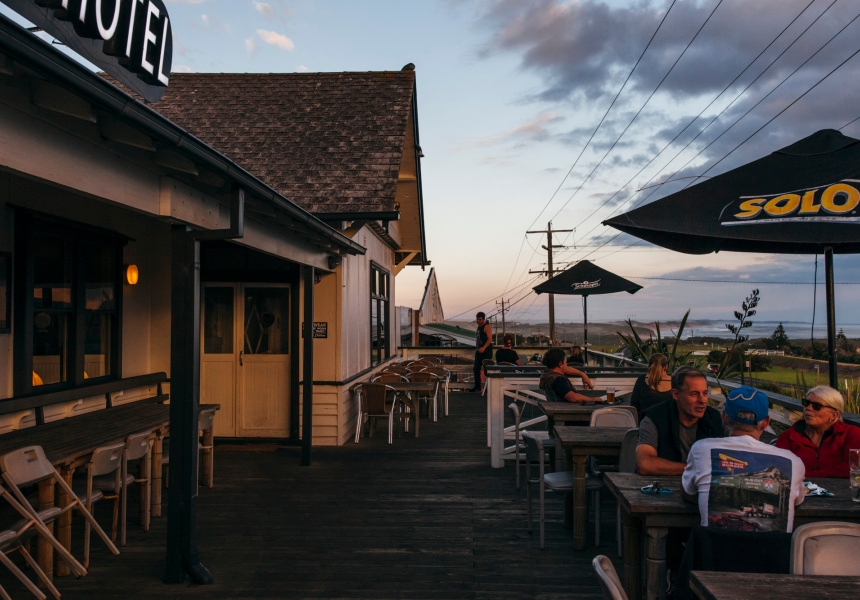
802,199
583,279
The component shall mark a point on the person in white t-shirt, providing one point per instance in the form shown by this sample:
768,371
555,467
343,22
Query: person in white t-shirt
739,482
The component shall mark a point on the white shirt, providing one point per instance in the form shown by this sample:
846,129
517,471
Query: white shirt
744,484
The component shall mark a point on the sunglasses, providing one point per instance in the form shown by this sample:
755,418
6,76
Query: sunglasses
816,406
655,488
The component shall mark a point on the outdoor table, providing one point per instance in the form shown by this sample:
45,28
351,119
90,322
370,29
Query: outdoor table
764,586
579,443
652,515
68,444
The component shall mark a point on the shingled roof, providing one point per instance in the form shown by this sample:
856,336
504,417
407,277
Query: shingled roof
330,142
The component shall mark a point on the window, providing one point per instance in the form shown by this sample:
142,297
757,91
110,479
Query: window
70,301
379,332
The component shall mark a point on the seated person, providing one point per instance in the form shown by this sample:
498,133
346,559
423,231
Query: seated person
654,387
576,358
669,429
554,381
821,439
507,354
741,483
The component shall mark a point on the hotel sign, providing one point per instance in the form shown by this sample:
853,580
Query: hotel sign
130,39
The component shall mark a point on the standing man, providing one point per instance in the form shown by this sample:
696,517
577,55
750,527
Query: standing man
669,429
483,348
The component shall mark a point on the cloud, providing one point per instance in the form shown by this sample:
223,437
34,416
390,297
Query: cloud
275,39
536,130
184,1
301,69
265,9
182,69
250,45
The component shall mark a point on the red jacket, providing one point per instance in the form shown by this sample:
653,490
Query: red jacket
830,459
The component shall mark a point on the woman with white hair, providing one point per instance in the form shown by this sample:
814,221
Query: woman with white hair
821,439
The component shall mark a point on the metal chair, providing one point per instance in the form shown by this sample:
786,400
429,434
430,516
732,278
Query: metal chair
138,447
206,445
484,364
626,464
427,377
518,447
389,377
28,466
825,548
608,577
444,376
105,463
559,481
376,400
397,369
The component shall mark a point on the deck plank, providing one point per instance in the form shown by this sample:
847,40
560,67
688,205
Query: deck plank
422,518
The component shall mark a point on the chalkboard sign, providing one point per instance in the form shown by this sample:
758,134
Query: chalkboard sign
320,329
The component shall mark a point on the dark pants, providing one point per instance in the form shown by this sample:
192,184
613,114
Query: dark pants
480,357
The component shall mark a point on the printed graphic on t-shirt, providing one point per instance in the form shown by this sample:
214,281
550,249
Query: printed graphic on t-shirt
749,491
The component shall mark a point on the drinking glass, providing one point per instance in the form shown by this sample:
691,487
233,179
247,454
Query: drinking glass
610,399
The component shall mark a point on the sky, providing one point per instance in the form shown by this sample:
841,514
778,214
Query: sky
571,112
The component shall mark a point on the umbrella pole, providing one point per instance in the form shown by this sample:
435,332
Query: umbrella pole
585,328
831,316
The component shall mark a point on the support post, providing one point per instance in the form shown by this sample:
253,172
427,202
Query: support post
183,557
585,329
831,316
308,370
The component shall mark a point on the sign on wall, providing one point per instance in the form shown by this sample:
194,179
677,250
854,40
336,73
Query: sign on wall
320,329
130,39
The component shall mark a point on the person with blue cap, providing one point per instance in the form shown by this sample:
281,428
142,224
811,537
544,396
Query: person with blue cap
739,482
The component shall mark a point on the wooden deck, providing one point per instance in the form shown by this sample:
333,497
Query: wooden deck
422,518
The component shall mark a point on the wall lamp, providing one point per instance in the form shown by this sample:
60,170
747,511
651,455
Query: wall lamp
131,274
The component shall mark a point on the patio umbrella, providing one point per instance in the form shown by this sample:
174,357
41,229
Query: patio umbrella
802,199
583,279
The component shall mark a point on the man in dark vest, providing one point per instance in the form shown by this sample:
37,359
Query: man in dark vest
669,429
483,348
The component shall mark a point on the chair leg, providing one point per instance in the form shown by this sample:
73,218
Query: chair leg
358,425
596,502
39,573
541,513
618,528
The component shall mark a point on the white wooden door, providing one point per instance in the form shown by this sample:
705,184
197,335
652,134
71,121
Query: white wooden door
248,372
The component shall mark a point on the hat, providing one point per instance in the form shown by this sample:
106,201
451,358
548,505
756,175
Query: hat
747,399
508,340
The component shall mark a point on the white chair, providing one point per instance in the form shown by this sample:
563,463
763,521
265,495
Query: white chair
559,481
608,577
138,447
613,416
519,446
106,464
825,548
626,464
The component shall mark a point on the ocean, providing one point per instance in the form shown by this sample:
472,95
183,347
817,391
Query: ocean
796,330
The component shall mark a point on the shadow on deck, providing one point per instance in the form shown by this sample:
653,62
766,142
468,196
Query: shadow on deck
422,518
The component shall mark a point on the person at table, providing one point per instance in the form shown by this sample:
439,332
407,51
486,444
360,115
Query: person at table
554,381
507,354
669,429
821,439
654,387
739,481
576,358
483,348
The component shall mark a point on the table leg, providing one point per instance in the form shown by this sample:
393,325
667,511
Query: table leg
655,562
416,410
157,469
209,444
580,503
45,552
64,522
632,555
446,397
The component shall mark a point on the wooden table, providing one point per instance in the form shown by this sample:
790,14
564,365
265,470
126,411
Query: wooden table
761,586
558,413
653,515
414,399
579,443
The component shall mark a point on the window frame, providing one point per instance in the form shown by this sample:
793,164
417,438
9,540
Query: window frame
78,237
382,303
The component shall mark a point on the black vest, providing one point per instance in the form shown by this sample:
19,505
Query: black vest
481,338
665,417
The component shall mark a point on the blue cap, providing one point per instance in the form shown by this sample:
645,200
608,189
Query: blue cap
747,399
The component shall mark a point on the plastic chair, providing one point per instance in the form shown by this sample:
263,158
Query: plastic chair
626,464
559,481
548,442
28,466
206,445
825,548
138,447
376,400
106,464
613,416
608,577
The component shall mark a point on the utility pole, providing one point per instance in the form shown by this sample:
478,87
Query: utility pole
549,273
504,331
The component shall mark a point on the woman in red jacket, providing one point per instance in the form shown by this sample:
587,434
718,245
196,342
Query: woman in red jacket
821,439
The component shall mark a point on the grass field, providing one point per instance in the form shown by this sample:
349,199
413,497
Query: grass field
786,375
